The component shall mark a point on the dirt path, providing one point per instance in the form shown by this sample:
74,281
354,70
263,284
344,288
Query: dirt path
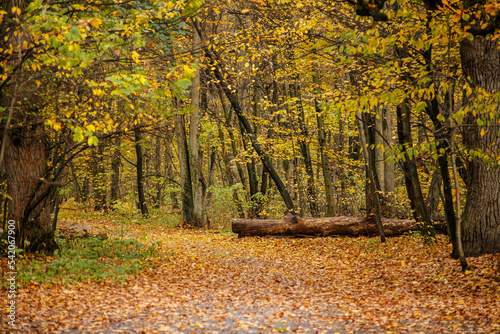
220,284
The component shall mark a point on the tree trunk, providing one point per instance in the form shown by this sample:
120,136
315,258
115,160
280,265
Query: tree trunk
185,173
139,169
28,186
306,152
158,179
379,159
434,195
115,173
412,182
230,176
169,166
389,182
195,158
325,165
374,185
342,225
98,177
481,223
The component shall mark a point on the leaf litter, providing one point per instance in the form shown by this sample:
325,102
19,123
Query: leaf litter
218,283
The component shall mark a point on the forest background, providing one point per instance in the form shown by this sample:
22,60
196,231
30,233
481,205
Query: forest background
229,109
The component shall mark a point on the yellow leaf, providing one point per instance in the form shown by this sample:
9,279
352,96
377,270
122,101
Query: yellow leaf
16,10
95,22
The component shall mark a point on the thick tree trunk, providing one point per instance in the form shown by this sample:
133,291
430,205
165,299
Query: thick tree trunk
434,195
195,158
342,225
481,223
32,196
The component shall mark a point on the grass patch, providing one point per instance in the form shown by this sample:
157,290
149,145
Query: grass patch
88,259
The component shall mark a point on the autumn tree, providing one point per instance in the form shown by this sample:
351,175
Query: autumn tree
64,68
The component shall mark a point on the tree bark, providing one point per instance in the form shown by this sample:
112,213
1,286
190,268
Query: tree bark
230,176
312,197
481,223
185,173
158,179
98,177
139,172
169,172
29,188
195,158
412,182
325,226
374,185
115,173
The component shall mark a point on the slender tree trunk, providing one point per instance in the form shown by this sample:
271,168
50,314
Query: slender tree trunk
169,172
211,170
253,182
325,166
369,163
230,176
99,177
412,182
139,170
481,223
379,146
115,173
158,179
306,153
389,172
185,173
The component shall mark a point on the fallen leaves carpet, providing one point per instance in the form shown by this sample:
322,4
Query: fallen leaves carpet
217,283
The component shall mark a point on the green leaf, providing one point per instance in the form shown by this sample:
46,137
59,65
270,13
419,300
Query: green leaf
183,83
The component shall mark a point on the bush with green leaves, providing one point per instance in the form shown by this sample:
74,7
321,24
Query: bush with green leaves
84,259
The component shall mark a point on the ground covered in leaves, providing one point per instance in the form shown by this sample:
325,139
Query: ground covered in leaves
213,282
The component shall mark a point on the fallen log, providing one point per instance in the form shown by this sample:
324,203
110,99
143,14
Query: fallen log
325,226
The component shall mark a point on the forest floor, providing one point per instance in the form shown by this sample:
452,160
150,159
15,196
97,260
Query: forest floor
213,282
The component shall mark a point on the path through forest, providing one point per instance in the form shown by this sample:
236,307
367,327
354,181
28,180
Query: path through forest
217,283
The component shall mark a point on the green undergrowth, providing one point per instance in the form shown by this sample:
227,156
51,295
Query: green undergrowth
89,259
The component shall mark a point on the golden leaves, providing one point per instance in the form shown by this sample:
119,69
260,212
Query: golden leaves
217,282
